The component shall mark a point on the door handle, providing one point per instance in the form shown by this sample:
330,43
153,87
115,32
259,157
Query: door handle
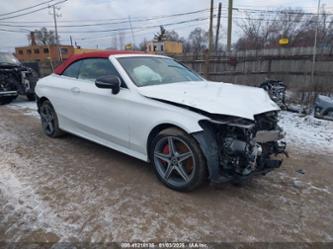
75,90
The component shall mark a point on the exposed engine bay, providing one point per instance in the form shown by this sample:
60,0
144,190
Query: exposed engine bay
244,148
240,134
15,79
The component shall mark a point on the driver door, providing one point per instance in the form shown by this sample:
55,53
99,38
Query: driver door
103,115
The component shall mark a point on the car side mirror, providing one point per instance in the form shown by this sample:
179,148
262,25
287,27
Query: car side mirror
109,82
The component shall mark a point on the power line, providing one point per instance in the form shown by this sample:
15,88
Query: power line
33,11
27,8
139,31
12,31
88,25
275,20
112,19
175,23
278,11
134,28
118,29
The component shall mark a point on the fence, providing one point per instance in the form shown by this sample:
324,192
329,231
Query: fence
291,65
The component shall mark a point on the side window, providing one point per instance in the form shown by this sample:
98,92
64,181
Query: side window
72,70
93,68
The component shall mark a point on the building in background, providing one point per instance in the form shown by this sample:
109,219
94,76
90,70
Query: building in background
80,50
47,53
164,47
43,53
44,58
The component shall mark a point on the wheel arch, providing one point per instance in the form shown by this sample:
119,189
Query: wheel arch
327,110
156,130
40,101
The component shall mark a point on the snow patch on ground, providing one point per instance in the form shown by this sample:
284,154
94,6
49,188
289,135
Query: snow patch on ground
307,133
89,217
19,199
29,107
304,132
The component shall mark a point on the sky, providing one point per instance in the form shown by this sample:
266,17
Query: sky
97,22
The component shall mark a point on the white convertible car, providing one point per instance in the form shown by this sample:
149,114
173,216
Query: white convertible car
158,110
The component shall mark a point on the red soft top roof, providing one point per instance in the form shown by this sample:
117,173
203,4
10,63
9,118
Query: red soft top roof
97,54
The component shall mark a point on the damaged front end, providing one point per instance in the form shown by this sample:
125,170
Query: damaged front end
237,148
15,79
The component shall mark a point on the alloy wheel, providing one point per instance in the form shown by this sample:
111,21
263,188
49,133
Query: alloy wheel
48,121
174,160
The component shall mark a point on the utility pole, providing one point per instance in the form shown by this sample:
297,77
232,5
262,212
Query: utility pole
315,49
210,35
55,15
210,40
230,7
133,39
218,27
55,24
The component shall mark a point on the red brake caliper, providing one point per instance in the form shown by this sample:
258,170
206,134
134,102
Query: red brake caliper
166,151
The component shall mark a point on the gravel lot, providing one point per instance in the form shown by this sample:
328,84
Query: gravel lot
70,189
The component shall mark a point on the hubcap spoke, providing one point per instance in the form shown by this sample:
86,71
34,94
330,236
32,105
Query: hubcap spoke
184,156
168,171
43,116
179,168
47,119
50,125
163,157
49,113
171,146
44,124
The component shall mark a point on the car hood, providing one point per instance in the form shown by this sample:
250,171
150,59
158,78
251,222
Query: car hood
214,97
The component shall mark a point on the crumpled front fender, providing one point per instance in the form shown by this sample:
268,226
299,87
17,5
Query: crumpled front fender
209,147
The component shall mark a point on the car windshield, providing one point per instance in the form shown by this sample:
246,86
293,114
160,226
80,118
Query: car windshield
7,58
149,70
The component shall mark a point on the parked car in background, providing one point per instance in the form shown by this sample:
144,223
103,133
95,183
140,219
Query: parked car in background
15,79
158,110
323,107
277,91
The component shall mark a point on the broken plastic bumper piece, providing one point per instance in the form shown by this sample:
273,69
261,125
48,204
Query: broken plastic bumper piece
8,93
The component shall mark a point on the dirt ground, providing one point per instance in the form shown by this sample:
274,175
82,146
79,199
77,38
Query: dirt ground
70,189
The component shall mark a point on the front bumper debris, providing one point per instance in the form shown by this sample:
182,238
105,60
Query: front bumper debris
232,157
8,94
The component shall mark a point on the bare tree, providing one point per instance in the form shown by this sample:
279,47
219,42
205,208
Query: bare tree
114,42
43,36
165,35
172,35
161,35
121,40
198,40
143,44
299,27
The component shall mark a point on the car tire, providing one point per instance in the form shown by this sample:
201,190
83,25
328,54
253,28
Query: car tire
49,120
177,160
31,97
